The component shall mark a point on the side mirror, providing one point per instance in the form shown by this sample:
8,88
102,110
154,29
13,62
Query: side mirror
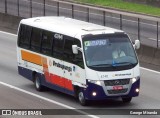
75,49
137,44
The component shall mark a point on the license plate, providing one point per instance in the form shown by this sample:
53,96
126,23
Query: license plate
117,87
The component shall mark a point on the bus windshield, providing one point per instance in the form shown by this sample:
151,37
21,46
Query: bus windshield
109,52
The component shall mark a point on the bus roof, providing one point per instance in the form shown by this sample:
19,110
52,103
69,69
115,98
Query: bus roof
67,26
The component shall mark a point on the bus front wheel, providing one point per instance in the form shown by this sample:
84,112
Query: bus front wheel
82,99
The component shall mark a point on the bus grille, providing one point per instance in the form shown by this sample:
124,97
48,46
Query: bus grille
117,91
116,82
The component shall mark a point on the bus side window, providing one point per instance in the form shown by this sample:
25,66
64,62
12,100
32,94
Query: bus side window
68,54
58,48
78,58
24,36
47,42
36,39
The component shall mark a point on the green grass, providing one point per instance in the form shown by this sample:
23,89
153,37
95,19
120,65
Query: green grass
127,6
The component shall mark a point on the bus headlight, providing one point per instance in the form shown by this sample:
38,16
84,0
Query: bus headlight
134,79
137,90
97,82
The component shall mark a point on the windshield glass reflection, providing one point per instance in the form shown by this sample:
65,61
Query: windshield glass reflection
109,51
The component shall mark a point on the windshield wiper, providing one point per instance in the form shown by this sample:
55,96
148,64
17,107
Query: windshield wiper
102,65
112,65
123,63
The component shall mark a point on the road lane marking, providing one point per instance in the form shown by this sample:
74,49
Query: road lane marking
153,39
47,99
8,33
150,70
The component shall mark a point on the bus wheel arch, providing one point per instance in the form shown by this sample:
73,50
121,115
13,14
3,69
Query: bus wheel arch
79,94
76,89
33,75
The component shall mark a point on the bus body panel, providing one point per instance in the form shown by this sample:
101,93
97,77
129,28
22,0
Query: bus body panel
27,73
55,72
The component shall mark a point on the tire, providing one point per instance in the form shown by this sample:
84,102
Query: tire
127,100
82,99
37,83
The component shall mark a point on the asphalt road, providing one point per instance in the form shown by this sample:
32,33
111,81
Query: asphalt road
10,98
148,29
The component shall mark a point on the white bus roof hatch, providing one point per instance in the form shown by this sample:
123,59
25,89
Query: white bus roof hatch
93,29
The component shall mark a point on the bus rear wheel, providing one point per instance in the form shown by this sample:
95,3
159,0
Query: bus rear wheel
37,83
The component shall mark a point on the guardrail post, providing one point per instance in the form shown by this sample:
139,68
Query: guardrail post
6,6
121,21
30,8
72,11
87,14
138,28
18,7
57,8
157,35
104,18
44,10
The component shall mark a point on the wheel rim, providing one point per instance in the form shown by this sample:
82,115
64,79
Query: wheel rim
81,97
37,82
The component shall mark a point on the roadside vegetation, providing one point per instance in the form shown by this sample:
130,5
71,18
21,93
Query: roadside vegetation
127,6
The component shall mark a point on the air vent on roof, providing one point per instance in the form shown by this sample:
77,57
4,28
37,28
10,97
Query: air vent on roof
37,20
93,29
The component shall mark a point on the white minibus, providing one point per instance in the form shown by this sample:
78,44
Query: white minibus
85,60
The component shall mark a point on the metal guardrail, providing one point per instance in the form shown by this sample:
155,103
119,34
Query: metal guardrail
142,28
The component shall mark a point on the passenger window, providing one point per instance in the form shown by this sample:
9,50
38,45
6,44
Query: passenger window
78,58
47,42
24,36
36,39
68,55
58,48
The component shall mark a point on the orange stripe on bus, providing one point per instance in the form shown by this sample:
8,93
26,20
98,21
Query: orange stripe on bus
33,58
45,69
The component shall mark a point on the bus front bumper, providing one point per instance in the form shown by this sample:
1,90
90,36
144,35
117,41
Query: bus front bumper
96,92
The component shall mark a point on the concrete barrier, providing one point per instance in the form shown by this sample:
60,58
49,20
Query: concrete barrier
9,23
156,59
149,55
146,54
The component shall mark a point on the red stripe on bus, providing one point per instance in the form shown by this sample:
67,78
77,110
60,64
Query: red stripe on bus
62,82
68,84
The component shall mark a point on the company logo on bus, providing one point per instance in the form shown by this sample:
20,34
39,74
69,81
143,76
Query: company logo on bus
125,74
62,66
58,36
116,82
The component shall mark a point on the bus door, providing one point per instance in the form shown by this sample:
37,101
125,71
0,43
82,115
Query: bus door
68,63
74,64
